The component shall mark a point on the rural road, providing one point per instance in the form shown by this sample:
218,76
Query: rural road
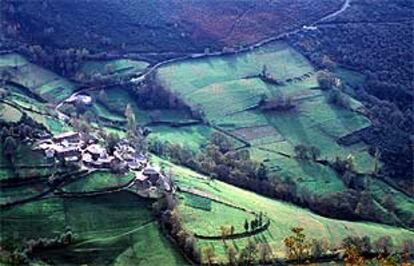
140,77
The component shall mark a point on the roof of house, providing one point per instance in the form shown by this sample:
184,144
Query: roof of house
150,171
140,177
86,157
95,149
66,135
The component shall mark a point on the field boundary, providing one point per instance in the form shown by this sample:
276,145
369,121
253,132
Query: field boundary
236,235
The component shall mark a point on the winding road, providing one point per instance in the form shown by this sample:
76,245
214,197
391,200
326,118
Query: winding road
141,76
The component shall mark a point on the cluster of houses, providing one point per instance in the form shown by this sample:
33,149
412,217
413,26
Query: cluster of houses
74,147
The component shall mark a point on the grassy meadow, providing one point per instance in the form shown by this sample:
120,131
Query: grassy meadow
283,216
38,80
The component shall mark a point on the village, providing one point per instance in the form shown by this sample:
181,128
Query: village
87,152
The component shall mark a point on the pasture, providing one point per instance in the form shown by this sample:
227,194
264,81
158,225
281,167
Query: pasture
99,181
228,91
116,67
283,216
38,80
119,228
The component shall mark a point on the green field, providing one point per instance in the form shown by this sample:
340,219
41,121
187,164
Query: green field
38,80
118,228
117,67
220,87
282,216
99,181
193,137
113,106
9,113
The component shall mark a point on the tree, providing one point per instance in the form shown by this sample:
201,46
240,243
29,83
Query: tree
221,141
111,141
10,149
384,245
252,225
389,203
297,245
301,151
231,254
130,115
248,255
208,255
328,63
225,232
262,172
315,152
246,225
265,253
353,258
103,96
260,219
326,79
339,99
318,247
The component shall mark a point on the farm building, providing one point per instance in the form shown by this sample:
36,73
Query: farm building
67,136
64,152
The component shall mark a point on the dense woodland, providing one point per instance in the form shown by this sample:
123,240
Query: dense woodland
378,43
156,26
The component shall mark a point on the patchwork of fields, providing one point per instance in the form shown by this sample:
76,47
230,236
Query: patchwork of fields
283,216
228,91
120,228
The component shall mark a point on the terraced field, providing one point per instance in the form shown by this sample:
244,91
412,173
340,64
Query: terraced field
282,217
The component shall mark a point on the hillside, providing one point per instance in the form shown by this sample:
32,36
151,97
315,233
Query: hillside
282,217
206,132
159,26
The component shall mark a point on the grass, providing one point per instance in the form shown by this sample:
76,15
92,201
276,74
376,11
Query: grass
113,67
208,222
98,181
219,87
197,202
193,137
282,215
40,81
9,113
115,103
102,112
118,228
22,192
5,173
308,176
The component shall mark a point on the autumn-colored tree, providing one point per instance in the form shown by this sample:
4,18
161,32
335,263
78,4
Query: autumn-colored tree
298,247
225,232
231,253
352,257
207,255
